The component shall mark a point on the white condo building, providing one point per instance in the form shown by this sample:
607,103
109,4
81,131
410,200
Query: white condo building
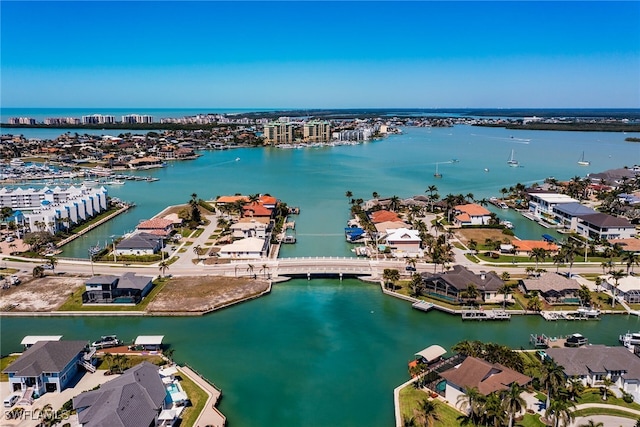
97,119
52,209
137,118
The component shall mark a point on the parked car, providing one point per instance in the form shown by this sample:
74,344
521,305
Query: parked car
11,400
410,268
47,266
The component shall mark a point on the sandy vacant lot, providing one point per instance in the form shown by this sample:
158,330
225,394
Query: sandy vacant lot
44,294
203,293
481,234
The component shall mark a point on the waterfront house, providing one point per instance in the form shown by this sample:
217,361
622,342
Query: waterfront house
384,216
158,226
628,288
470,214
404,242
452,285
46,366
525,247
567,214
139,244
386,226
249,248
478,373
553,287
136,398
256,210
251,228
146,163
605,227
593,363
126,289
542,204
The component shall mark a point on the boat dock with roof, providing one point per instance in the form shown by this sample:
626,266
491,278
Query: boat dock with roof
480,314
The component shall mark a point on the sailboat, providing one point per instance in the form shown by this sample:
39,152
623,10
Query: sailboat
512,161
437,174
583,162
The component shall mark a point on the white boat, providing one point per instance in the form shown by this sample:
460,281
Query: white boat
437,174
512,161
507,224
486,169
588,312
583,162
237,159
15,163
106,342
503,205
115,182
100,171
89,183
630,339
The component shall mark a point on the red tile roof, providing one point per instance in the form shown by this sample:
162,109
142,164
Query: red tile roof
155,224
384,215
529,245
472,209
231,199
256,209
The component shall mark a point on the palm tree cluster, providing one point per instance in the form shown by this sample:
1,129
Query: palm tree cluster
496,409
561,393
491,352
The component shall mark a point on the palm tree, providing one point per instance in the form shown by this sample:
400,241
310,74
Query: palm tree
250,269
163,267
472,292
606,387
552,378
197,250
534,303
349,196
394,203
470,402
630,258
411,262
574,388
560,410
505,289
408,421
264,269
598,283
539,254
616,276
108,359
512,401
416,286
390,276
427,413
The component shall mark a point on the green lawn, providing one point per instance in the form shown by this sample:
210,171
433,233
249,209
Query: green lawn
198,232
94,220
133,360
4,362
74,302
605,411
592,395
198,398
409,399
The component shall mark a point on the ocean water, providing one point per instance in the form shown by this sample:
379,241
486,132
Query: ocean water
325,352
316,179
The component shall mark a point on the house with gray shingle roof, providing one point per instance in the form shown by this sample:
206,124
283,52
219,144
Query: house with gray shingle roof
126,289
553,287
46,366
139,244
134,399
567,214
593,363
451,285
603,226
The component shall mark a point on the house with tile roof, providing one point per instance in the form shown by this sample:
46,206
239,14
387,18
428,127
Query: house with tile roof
46,366
452,284
158,226
249,248
593,363
605,227
525,247
136,398
553,287
470,214
478,373
383,216
254,210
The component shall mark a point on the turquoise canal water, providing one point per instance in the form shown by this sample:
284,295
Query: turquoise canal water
324,352
312,353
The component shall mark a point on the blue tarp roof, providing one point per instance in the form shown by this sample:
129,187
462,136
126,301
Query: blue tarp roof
548,237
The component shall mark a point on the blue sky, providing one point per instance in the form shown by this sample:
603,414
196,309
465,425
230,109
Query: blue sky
302,54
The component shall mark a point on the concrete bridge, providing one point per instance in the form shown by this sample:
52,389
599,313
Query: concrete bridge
324,266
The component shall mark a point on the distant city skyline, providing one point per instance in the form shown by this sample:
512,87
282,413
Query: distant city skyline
299,54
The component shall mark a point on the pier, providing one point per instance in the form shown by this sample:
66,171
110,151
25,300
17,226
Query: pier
480,314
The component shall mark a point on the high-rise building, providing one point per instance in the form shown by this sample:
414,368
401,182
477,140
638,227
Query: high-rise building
278,133
316,131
